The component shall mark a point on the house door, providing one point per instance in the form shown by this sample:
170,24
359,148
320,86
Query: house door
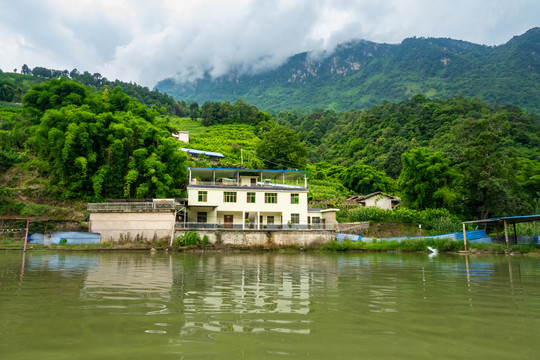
228,221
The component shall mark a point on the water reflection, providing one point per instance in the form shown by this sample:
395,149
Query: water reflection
268,305
253,293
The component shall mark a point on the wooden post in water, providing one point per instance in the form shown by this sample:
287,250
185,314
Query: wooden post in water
506,234
464,236
26,236
515,234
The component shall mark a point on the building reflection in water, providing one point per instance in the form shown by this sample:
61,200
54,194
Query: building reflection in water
211,293
253,293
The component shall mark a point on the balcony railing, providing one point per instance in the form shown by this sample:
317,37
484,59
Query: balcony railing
252,226
131,206
238,184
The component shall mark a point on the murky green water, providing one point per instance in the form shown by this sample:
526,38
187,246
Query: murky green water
267,306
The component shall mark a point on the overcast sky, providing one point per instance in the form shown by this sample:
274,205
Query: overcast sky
147,41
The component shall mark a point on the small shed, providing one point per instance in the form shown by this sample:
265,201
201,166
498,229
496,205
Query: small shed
504,221
377,199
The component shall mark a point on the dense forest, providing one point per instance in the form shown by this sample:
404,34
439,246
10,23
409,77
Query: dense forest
69,141
464,155
360,74
92,145
13,86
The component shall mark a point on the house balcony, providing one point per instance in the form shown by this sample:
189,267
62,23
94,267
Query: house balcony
238,184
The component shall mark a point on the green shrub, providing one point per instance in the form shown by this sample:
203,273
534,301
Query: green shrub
205,240
412,245
439,220
189,238
445,244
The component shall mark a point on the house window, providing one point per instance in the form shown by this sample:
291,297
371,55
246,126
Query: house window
295,198
270,198
201,217
251,197
203,196
270,220
295,218
229,196
316,220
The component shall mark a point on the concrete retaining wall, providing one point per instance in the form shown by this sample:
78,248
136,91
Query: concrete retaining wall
265,237
132,226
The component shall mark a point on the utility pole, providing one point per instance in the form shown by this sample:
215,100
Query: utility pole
242,156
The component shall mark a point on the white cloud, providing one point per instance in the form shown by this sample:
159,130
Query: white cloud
146,41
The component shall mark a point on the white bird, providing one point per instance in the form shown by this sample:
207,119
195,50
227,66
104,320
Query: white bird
434,251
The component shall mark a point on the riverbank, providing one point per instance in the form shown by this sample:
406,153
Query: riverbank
412,246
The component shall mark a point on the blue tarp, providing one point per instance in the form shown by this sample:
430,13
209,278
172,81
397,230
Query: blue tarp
476,236
71,237
342,237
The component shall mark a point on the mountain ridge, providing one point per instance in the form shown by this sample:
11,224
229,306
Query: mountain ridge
361,73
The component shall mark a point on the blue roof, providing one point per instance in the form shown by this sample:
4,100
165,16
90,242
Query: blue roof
201,152
255,170
508,219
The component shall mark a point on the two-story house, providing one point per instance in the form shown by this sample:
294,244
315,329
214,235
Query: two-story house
251,199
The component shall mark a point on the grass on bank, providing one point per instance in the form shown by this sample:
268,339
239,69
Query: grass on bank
416,245
194,242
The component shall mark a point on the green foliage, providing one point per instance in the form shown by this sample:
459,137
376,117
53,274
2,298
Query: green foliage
281,148
445,245
408,245
324,170
14,86
102,144
528,179
8,158
456,131
205,240
227,140
188,239
438,219
442,245
487,162
365,179
326,190
214,113
427,180
187,124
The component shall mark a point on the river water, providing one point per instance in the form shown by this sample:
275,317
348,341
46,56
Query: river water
142,305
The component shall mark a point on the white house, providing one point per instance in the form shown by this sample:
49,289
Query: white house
251,199
377,199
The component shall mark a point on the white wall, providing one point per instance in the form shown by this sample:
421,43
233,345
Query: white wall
283,206
382,202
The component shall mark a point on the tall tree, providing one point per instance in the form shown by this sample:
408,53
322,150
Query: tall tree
488,164
112,146
365,179
281,148
26,70
194,110
427,181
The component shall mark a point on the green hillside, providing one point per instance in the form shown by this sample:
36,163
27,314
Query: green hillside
69,143
360,74
13,86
